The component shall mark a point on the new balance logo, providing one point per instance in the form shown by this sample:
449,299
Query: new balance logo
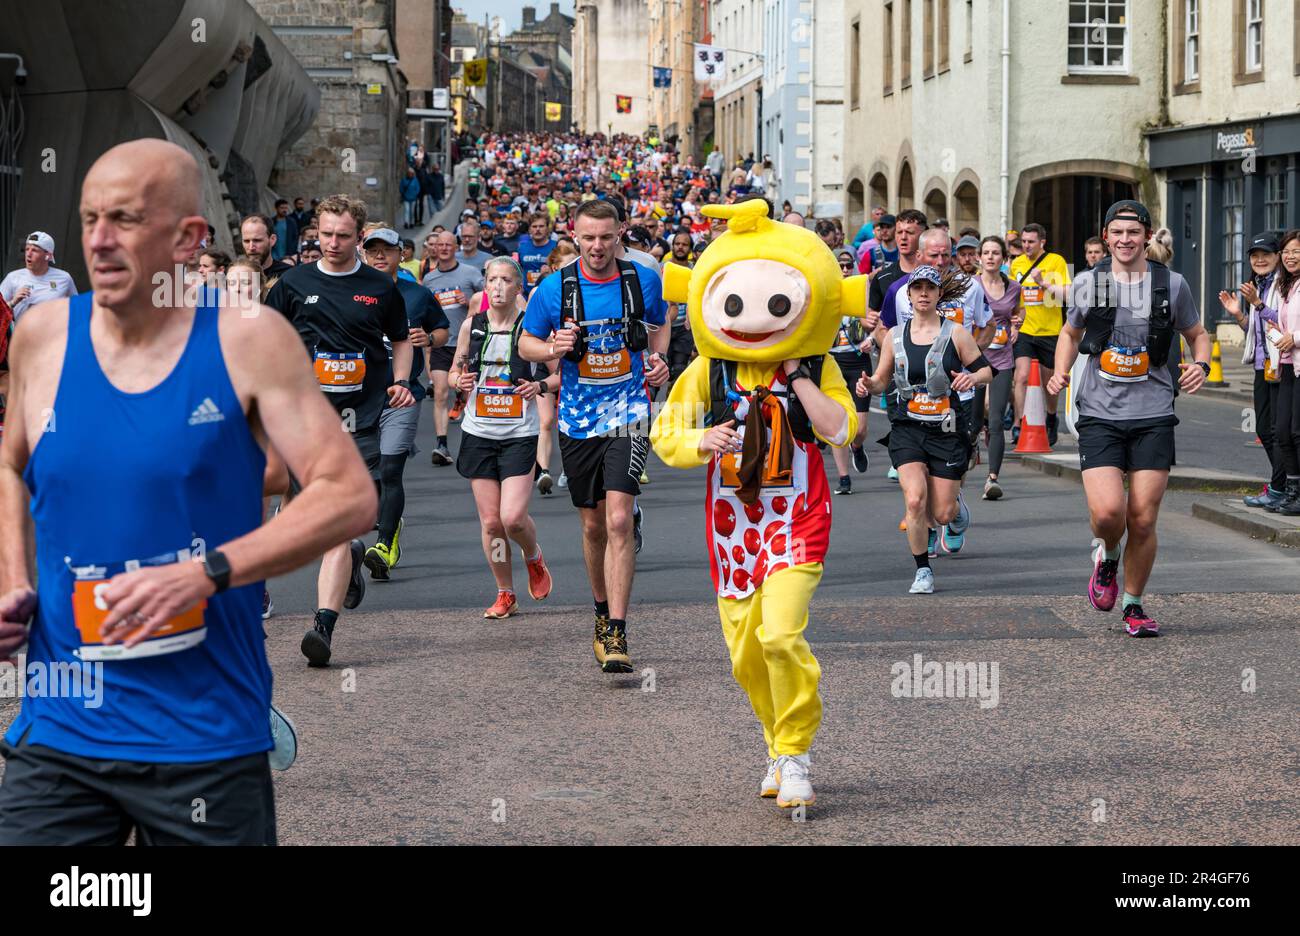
311,300
206,412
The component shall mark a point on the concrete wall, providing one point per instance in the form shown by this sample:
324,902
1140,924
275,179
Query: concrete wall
356,146
738,25
947,127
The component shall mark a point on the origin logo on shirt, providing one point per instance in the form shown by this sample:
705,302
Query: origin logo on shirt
367,300
206,412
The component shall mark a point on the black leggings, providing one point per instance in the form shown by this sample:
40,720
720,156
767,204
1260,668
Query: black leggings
1287,424
999,394
1266,395
392,496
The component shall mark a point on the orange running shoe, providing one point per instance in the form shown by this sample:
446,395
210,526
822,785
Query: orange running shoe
504,607
539,577
458,407
902,525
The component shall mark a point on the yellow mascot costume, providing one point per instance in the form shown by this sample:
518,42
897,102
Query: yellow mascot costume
765,302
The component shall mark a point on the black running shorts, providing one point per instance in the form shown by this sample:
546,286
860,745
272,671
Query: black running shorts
852,366
440,359
1127,444
945,454
603,463
52,798
495,459
1042,348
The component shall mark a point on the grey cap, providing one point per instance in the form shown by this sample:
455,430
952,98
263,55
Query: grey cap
387,235
968,241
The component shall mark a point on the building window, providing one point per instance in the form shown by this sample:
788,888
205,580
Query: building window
855,41
927,38
1254,35
905,44
970,31
1192,41
1234,217
887,54
1248,41
1098,37
1275,196
943,35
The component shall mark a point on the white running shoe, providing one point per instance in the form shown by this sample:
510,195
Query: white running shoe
923,584
771,784
563,482
892,475
796,781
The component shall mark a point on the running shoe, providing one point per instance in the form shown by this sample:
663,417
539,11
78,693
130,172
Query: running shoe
545,483
440,456
1015,434
505,606
846,486
1270,499
611,648
961,523
395,547
457,408
933,549
563,482
268,608
992,490
1051,429
859,458
638,535
1138,624
377,561
796,781
285,739
1257,500
892,475
316,642
923,584
357,586
539,577
902,525
949,541
974,456
771,784
1102,587
645,478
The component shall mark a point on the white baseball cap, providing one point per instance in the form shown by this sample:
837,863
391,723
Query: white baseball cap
43,241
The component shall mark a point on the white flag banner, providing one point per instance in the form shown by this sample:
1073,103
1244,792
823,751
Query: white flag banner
710,62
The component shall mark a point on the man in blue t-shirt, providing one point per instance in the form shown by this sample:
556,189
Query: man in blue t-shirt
535,248
604,409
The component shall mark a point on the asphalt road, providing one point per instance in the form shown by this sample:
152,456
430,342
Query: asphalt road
436,726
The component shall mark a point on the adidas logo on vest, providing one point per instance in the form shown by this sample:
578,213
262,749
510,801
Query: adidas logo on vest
206,412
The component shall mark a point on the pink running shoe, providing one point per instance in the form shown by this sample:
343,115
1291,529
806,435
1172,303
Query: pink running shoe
1102,587
1137,624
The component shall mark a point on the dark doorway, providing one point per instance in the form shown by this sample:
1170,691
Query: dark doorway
1072,209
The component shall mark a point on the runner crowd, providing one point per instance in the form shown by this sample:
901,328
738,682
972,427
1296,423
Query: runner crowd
541,308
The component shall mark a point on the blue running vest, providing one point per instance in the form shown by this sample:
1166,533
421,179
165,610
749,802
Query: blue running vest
125,479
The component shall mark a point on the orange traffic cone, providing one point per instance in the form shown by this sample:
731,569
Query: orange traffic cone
1033,424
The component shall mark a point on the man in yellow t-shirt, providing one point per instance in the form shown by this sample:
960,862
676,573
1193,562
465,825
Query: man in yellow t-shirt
1044,285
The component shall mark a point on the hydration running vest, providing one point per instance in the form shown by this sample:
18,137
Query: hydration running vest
723,396
479,332
1103,306
635,337
937,381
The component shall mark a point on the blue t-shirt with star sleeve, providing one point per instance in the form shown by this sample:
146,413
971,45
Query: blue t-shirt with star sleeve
609,390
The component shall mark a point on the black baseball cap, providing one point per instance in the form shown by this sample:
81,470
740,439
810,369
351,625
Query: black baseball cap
1265,241
1126,209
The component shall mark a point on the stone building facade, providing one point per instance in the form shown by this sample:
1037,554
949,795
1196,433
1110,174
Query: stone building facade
357,144
610,54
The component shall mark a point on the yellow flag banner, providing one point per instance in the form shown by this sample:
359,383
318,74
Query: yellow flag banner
476,72
554,111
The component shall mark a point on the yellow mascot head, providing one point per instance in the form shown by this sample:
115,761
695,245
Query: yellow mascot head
764,291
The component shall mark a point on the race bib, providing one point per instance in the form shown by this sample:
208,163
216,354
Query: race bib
450,297
533,277
498,403
89,610
340,373
1000,336
955,313
1124,365
1031,293
927,408
773,477
605,367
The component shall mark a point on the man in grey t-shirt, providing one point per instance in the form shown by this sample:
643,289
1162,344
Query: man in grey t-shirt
453,284
1126,408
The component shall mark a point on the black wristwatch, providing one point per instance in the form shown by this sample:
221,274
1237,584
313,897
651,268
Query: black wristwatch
217,568
402,383
1203,366
800,371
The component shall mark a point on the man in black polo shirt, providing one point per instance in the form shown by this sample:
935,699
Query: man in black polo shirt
343,311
